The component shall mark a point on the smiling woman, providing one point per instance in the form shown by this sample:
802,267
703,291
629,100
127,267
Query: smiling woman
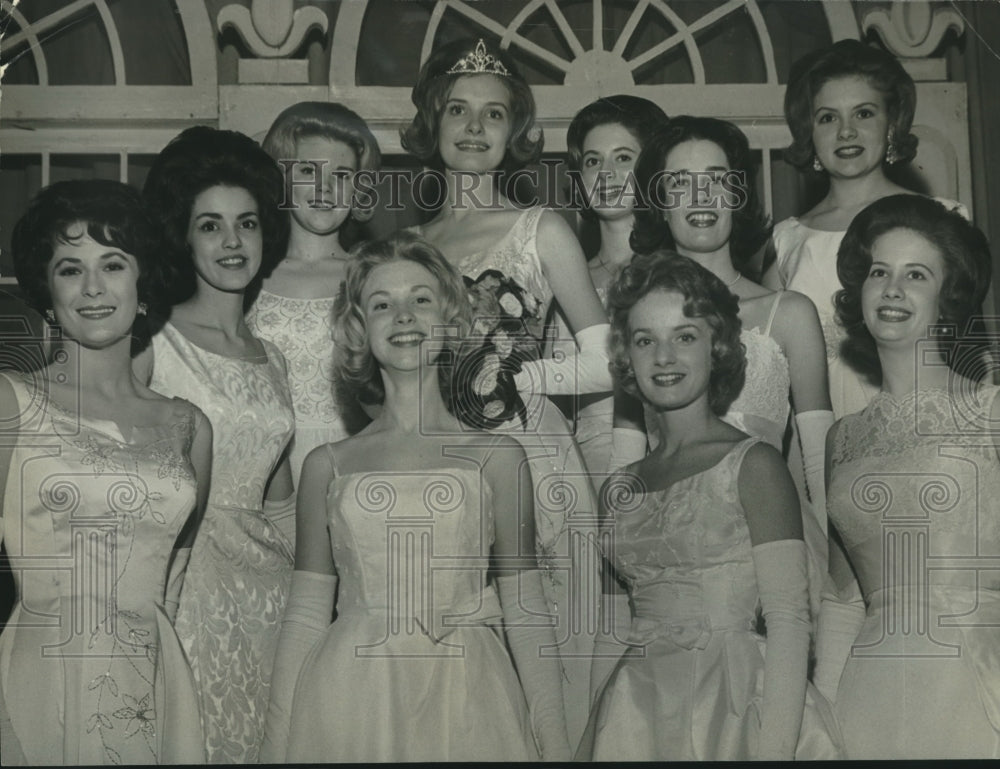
476,121
87,453
925,449
216,196
444,690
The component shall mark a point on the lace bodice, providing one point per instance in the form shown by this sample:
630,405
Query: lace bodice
924,467
685,551
411,546
762,407
248,404
302,330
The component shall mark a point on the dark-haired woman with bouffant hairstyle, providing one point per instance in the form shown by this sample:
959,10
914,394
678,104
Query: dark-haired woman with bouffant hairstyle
475,122
413,669
910,621
850,109
103,482
603,143
216,195
703,531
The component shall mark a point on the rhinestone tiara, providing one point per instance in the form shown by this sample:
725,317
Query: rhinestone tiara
478,62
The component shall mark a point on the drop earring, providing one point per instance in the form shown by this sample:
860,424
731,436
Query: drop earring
142,309
891,153
50,316
817,166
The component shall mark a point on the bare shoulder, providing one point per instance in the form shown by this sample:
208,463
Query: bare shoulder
795,306
551,226
320,461
762,460
795,310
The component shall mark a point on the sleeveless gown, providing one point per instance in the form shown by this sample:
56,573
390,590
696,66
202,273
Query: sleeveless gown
913,493
303,330
241,564
689,687
806,261
565,502
762,409
91,671
410,670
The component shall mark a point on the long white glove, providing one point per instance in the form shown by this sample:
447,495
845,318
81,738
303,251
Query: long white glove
782,585
627,446
609,643
281,513
586,371
840,621
541,677
175,581
307,616
813,427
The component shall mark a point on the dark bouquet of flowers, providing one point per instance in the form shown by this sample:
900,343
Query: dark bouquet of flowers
506,332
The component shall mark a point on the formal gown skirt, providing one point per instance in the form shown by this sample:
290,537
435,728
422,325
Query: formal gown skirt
401,695
924,691
664,702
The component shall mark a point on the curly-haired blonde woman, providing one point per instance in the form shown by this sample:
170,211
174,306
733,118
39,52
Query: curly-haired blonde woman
422,522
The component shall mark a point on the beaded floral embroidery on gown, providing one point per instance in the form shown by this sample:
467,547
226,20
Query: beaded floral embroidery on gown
914,494
88,656
411,669
241,563
565,502
303,330
689,687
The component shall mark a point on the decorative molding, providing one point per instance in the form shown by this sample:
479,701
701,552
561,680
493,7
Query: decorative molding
912,29
273,30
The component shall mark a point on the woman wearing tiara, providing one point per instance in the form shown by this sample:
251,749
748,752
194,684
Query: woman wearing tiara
474,122
850,109
216,195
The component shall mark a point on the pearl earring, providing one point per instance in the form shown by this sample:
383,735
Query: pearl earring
50,316
817,166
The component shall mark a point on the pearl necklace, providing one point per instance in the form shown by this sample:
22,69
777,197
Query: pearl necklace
734,281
